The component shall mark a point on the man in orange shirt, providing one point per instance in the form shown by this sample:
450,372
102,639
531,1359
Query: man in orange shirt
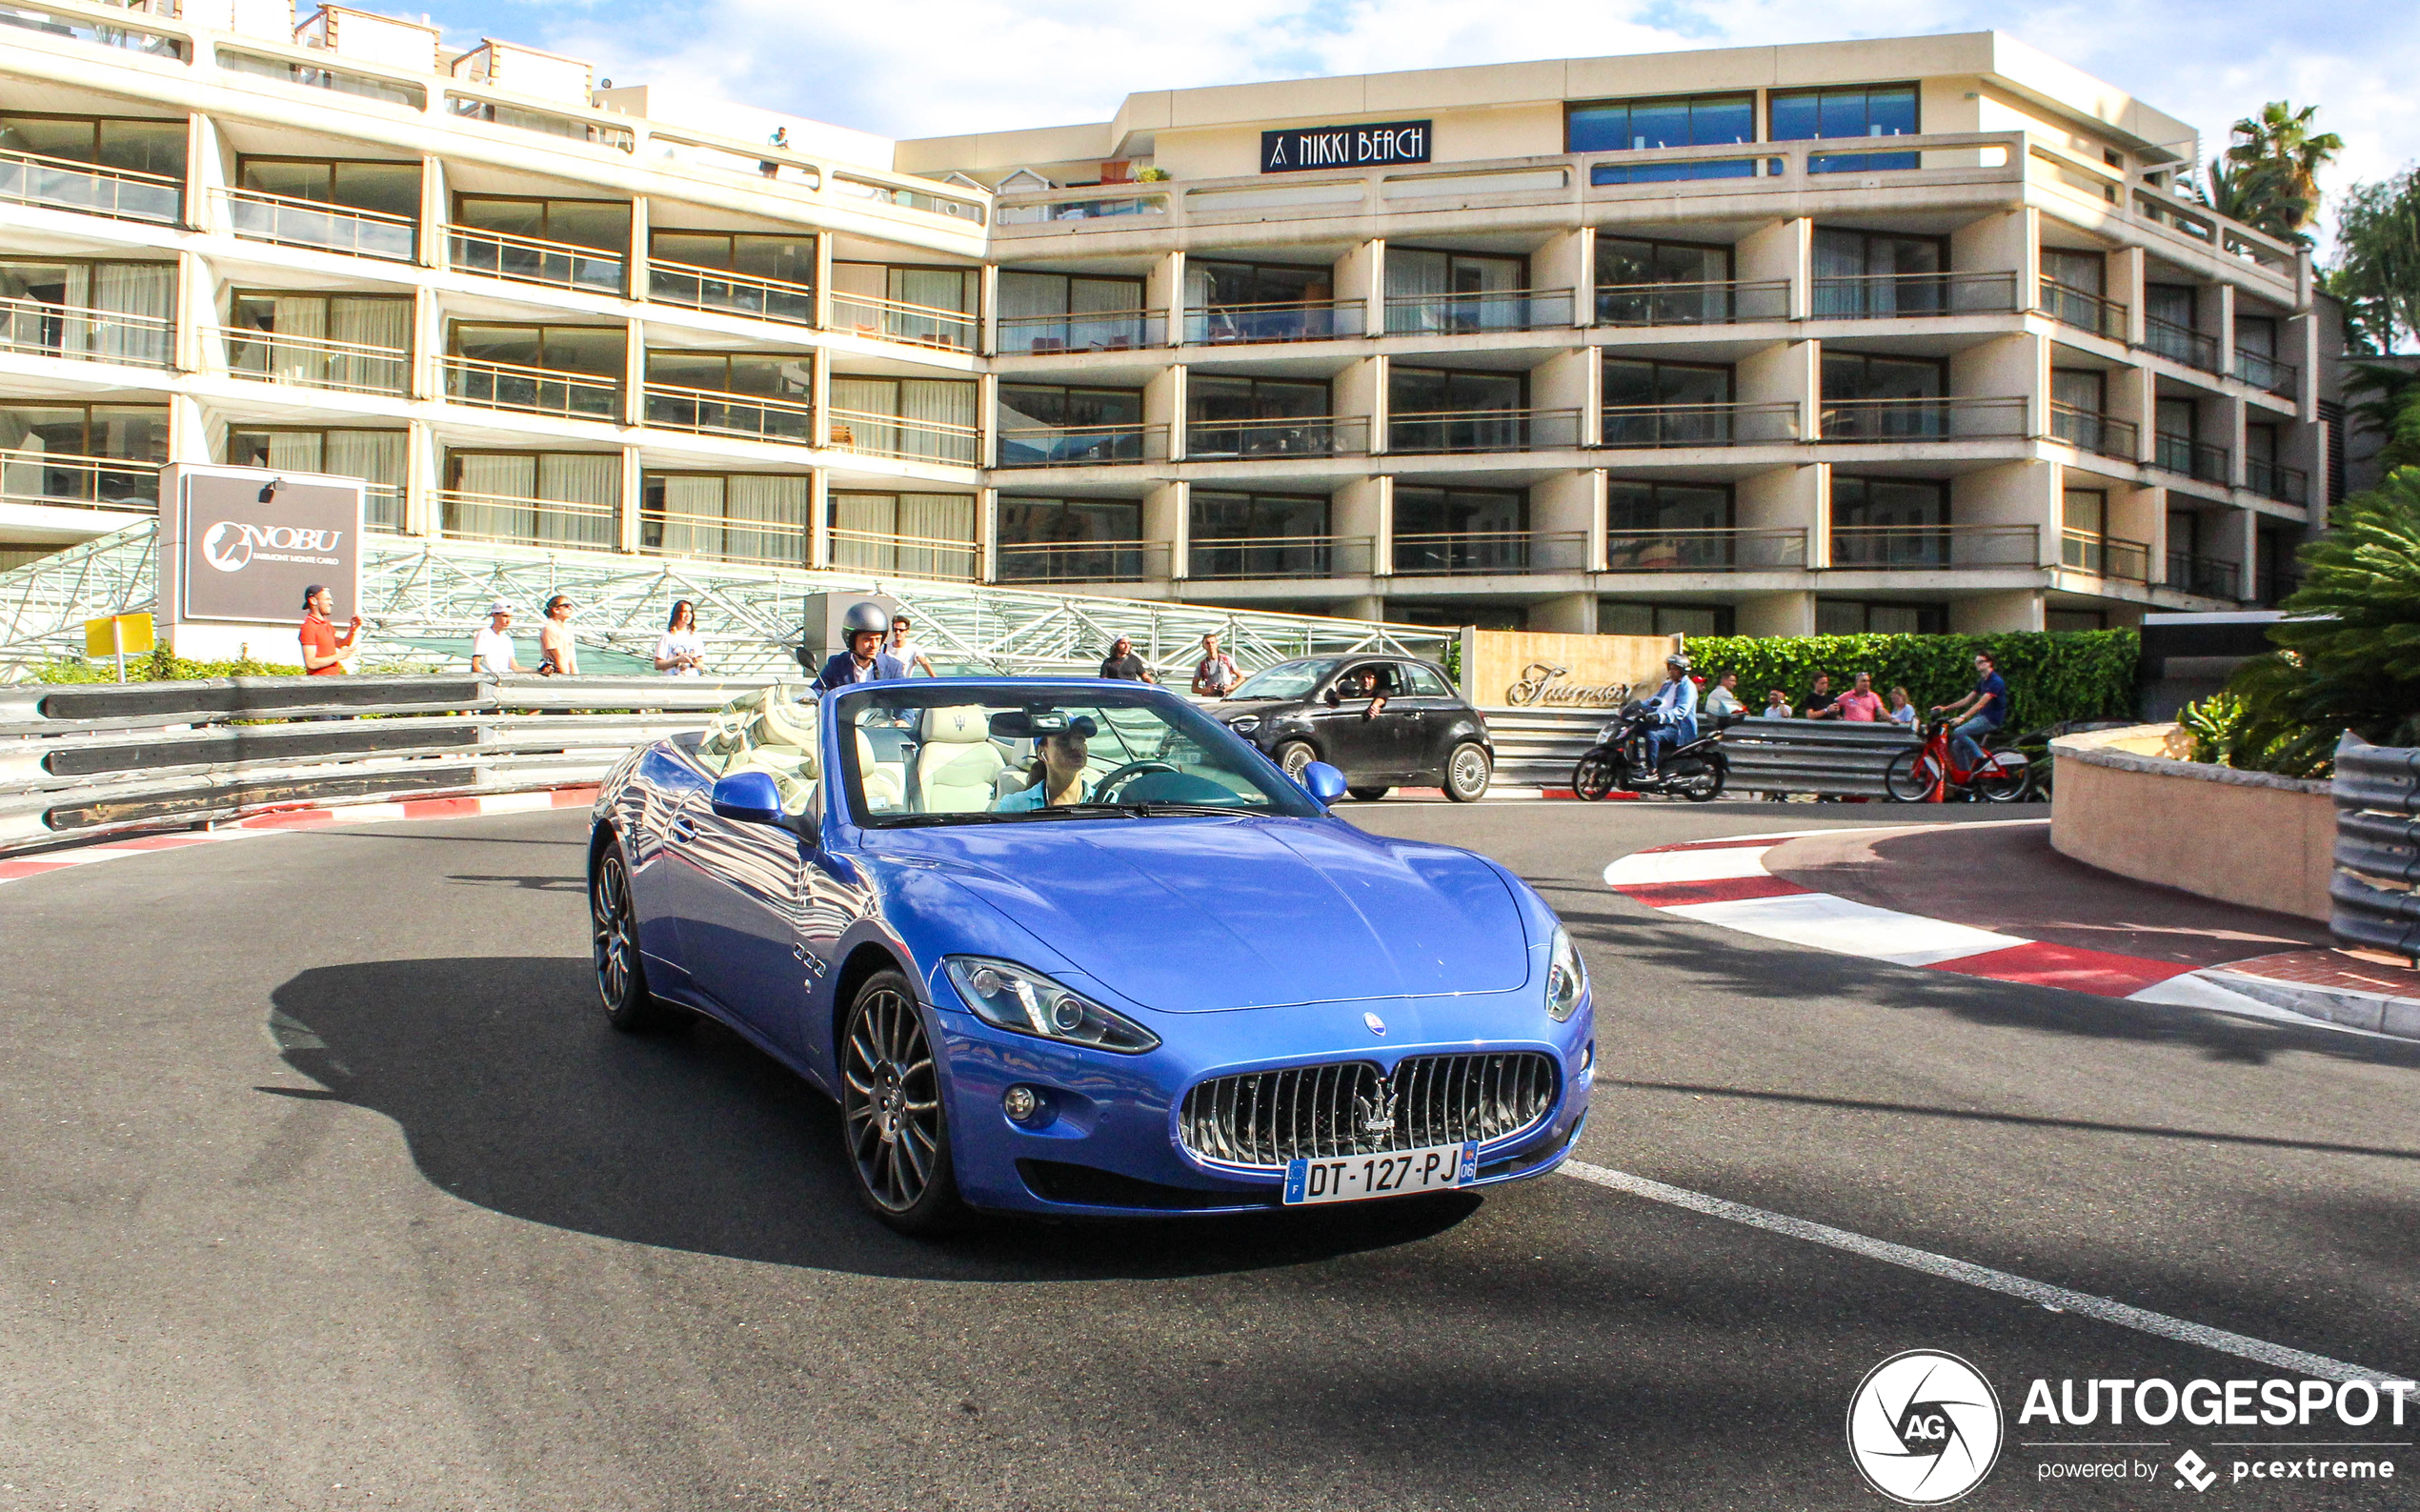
323,652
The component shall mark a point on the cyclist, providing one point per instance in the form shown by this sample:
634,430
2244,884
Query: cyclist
1673,710
1981,711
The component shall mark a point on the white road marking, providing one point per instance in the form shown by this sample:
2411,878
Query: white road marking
1710,866
2042,1293
1830,922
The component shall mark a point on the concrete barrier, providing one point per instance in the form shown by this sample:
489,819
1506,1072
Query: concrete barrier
2238,836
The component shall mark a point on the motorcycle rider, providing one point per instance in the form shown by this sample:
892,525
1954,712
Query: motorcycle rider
1673,711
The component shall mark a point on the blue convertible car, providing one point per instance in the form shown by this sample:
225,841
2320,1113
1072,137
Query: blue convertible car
1070,946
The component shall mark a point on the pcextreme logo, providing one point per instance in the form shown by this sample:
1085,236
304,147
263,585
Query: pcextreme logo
1924,1427
230,545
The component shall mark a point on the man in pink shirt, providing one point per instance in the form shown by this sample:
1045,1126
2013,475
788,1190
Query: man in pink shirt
1861,702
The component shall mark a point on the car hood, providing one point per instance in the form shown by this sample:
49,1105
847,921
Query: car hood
1192,916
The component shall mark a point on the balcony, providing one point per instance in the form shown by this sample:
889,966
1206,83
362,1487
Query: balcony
1280,320
1082,561
33,328
2264,371
1454,433
314,362
1463,314
1930,418
1728,302
533,391
1706,550
2275,588
2171,453
1083,445
1219,558
788,421
529,260
2203,576
1667,425
2178,344
892,435
2105,555
1085,331
726,293
1450,554
1902,296
58,183
527,521
879,319
2087,431
2081,309
1935,548
2287,485
906,556
256,215
65,481
1301,435
722,538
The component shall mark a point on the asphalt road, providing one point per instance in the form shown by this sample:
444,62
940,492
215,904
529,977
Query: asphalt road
322,1184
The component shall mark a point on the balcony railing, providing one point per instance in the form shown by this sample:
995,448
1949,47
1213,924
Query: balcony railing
2275,588
274,356
1232,556
1460,432
527,521
1085,331
1280,320
912,440
723,538
1276,436
1081,445
58,183
1463,314
895,320
2081,309
1900,297
2203,576
1728,302
718,411
2178,344
2087,431
2287,485
2105,555
1659,425
2262,371
716,289
535,391
1936,548
1937,418
2171,453
291,222
382,507
1706,550
527,260
1445,554
37,330
65,480
907,556
1082,562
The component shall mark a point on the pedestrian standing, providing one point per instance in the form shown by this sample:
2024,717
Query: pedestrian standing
556,653
492,649
1860,704
680,652
1777,705
1725,696
1903,710
904,649
324,651
1123,665
1216,674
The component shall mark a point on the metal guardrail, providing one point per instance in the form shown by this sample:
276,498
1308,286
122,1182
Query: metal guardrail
2374,895
94,759
1537,747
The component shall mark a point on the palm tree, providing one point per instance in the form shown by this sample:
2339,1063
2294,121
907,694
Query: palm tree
2276,159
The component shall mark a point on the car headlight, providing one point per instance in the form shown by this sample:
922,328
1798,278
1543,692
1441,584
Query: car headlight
1566,978
1021,1000
1245,725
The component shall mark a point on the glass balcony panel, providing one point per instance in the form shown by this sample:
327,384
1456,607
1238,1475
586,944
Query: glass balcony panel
1285,435
1463,552
1469,314
257,215
734,293
1082,562
1222,558
30,178
2081,309
534,389
1081,445
1705,550
529,260
79,482
37,329
1289,320
1934,547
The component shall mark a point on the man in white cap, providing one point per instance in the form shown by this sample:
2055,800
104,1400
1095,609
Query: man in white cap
492,649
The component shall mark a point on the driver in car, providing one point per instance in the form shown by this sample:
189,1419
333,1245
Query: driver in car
1056,778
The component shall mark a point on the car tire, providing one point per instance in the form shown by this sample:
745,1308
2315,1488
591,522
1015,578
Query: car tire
1467,772
895,1127
1369,795
1293,756
621,975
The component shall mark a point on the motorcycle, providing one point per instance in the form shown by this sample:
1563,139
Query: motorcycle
1616,761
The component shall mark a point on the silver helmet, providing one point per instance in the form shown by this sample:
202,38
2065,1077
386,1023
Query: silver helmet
863,616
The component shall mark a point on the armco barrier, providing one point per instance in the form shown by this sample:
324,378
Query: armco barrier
93,759
1539,747
2371,897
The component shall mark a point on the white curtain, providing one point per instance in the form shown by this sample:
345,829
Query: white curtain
132,289
1027,304
300,317
865,528
489,485
932,403
852,284
1421,276
693,515
775,502
376,457
863,397
927,519
383,324
574,478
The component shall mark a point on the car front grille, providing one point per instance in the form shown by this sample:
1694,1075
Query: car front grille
1265,1118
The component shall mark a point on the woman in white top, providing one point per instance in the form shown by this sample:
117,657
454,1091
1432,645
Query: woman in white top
681,652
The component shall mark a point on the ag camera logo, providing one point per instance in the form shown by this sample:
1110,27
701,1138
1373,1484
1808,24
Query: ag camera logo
1924,1427
229,545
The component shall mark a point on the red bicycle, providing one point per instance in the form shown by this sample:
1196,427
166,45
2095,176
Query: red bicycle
1930,772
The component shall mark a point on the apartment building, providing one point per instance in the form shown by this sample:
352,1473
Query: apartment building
1620,344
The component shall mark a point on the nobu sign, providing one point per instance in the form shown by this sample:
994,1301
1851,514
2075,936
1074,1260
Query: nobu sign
1344,147
248,543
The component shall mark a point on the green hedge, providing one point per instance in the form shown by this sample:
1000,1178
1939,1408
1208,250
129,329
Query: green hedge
2052,677
158,665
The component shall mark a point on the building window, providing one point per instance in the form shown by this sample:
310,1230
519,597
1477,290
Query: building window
2074,619
914,534
2084,271
1229,417
1669,527
1890,522
1058,424
376,457
922,419
1465,530
135,146
771,278
1871,275
1064,540
534,498
1264,535
1428,292
1870,397
600,225
1866,110
1681,120
359,343
107,312
1668,403
82,456
1851,616
1072,313
1618,617
731,517
389,189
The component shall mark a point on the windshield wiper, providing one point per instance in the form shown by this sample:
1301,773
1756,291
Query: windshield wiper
1226,809
912,821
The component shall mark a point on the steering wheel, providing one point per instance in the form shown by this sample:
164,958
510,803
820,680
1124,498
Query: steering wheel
1104,791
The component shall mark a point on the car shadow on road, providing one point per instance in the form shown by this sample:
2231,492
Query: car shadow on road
514,1095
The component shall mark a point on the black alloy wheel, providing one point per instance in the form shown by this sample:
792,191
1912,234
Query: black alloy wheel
891,1113
1468,771
1293,756
621,979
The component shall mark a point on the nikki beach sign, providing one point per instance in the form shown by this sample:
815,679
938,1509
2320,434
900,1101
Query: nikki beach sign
1344,147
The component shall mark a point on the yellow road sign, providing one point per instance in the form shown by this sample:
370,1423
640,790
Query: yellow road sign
118,635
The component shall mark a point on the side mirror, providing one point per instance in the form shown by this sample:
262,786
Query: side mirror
749,798
1323,782
1331,697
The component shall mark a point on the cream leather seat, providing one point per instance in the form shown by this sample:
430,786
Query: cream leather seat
957,762
885,781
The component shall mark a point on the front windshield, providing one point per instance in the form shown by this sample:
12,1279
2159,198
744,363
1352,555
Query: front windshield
1287,679
930,753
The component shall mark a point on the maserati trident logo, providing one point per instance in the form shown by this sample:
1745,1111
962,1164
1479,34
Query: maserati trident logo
1378,1026
1378,1116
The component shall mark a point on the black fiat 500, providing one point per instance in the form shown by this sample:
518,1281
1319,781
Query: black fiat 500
1386,721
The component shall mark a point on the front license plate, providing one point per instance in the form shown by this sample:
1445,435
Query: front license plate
1355,1177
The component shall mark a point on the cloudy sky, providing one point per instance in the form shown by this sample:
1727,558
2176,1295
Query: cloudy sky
926,67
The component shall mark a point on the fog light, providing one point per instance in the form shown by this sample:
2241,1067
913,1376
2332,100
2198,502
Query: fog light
1588,1059
1021,1104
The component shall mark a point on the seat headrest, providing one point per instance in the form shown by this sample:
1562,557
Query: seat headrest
962,724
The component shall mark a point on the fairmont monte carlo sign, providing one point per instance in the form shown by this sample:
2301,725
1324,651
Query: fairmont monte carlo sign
1344,147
